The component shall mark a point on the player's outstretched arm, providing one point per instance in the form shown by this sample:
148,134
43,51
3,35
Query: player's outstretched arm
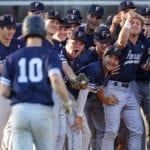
68,71
5,90
59,86
5,108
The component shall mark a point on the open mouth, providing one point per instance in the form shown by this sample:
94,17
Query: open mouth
75,51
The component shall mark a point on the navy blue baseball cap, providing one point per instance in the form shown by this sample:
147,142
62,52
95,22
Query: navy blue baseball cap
96,10
78,35
73,19
64,22
74,11
113,50
7,21
145,11
125,5
36,6
52,14
102,34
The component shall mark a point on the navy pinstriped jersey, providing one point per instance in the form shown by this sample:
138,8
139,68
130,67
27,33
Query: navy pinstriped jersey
18,30
56,47
130,58
89,38
26,71
5,51
64,58
141,74
95,73
84,59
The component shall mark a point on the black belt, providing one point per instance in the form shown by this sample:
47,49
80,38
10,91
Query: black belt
143,81
123,84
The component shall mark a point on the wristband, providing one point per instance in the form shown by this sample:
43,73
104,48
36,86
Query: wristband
127,24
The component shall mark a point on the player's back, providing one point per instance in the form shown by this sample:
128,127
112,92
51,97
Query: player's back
30,67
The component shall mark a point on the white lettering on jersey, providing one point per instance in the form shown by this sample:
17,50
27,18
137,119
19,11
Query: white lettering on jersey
132,58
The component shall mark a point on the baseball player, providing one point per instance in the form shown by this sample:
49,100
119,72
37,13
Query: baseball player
76,12
77,129
74,23
62,34
141,86
94,19
118,20
8,45
119,85
35,8
93,107
24,78
52,21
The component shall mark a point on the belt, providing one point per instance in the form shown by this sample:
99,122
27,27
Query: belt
123,84
143,81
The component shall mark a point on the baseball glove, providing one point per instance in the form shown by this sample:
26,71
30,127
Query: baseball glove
80,82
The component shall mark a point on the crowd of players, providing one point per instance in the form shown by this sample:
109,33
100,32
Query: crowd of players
112,113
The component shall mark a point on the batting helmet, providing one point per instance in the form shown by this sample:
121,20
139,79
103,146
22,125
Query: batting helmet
33,26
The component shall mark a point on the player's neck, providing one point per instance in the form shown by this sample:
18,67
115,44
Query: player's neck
49,37
88,30
133,38
33,42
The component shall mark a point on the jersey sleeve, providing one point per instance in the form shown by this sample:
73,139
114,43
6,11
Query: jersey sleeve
53,64
8,72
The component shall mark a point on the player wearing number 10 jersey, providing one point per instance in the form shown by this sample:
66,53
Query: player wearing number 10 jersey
28,77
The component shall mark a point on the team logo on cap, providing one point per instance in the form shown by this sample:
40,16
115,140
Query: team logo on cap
97,8
72,17
147,10
11,19
80,34
103,33
36,4
74,11
128,3
116,49
56,13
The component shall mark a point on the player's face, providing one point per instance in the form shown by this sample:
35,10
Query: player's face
7,33
110,62
52,25
93,21
62,33
100,47
74,48
136,26
147,20
123,15
73,27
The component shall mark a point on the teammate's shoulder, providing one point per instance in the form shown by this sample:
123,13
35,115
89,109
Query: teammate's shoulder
17,53
17,42
82,28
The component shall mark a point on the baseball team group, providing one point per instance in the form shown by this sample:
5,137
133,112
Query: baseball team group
69,86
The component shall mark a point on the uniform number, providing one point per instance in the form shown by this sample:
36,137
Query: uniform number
34,74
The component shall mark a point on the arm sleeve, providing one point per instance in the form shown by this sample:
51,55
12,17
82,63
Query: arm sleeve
53,64
82,98
7,72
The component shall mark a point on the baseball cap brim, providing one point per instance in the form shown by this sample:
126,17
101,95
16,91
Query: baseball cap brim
78,39
97,14
103,41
